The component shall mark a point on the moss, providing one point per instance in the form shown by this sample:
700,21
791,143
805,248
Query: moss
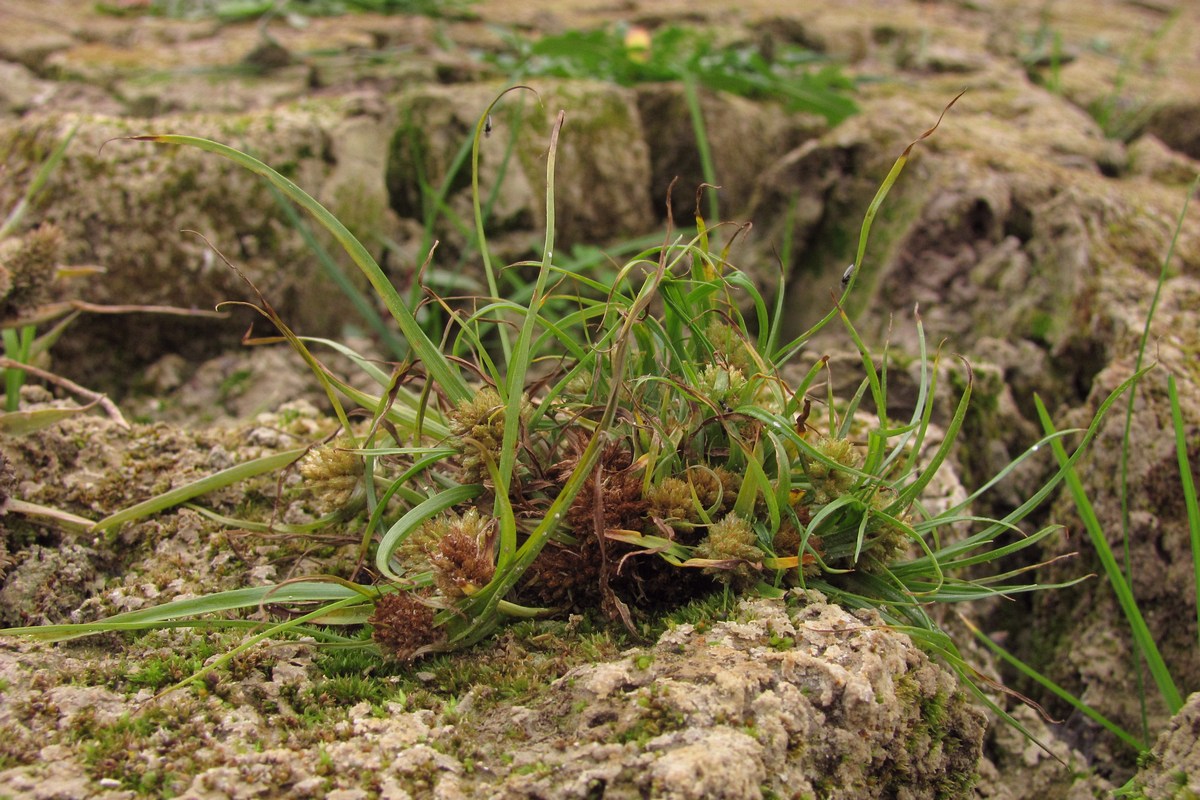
781,643
538,769
517,667
933,716
118,751
653,719
701,612
348,690
160,672
18,746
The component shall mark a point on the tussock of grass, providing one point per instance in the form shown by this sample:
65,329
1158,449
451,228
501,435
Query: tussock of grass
614,446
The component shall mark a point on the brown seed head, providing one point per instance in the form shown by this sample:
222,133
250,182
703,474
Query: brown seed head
461,562
402,624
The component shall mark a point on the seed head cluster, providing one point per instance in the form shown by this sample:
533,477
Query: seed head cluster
462,559
402,625
828,482
732,539
479,425
333,475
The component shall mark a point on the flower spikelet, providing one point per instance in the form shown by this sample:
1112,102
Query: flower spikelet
671,500
461,560
729,346
414,551
715,485
829,483
479,425
402,624
721,384
732,539
333,475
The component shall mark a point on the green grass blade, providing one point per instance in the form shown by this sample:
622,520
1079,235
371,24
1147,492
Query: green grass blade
398,486
477,207
1189,486
1037,498
1054,688
1123,481
403,526
707,167
39,180
253,597
274,630
376,374
985,557
63,519
21,423
878,395
268,527
443,373
913,490
1116,578
398,413
1162,279
181,494
518,365
16,348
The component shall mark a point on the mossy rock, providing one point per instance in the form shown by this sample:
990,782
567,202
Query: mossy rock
131,207
601,188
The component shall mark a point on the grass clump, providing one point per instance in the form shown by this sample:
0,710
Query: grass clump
796,77
637,451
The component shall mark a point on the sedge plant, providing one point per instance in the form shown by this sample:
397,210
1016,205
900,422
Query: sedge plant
635,448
